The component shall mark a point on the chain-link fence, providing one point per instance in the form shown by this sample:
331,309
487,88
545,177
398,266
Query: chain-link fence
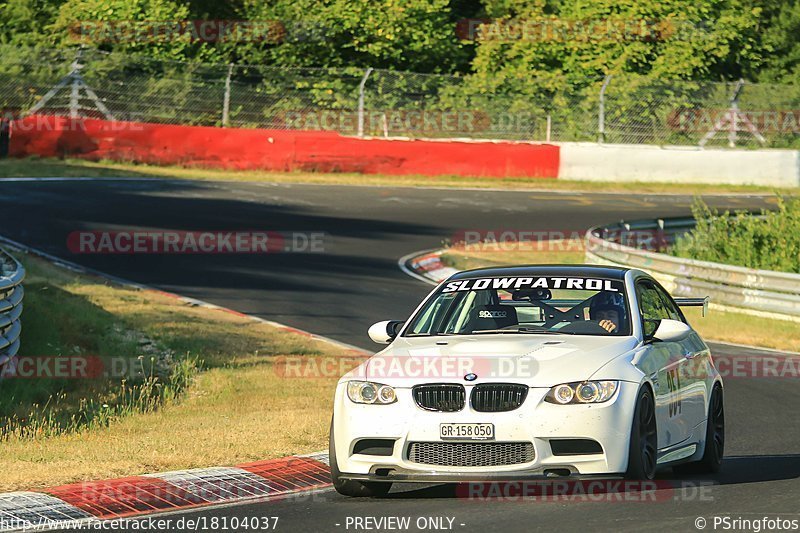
355,101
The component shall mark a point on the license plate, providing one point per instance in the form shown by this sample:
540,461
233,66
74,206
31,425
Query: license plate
466,431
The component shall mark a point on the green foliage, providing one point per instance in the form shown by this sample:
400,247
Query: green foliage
768,242
538,59
704,39
664,38
416,35
25,21
781,41
111,23
545,49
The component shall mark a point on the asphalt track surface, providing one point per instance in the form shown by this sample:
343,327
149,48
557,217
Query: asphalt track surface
356,281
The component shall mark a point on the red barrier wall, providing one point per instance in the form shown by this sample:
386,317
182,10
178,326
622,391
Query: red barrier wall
279,150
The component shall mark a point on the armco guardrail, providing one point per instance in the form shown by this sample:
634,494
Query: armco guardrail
755,291
11,292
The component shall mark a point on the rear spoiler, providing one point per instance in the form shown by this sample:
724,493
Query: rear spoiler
694,302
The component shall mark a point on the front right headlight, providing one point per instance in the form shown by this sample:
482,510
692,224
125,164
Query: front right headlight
582,392
371,393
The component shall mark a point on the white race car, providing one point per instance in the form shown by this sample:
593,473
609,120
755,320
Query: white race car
530,372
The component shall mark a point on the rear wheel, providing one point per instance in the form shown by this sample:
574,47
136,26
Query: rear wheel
351,487
711,461
642,456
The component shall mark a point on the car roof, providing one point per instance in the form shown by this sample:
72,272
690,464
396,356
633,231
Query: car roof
580,271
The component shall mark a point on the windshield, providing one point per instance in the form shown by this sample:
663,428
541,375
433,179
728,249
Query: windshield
525,305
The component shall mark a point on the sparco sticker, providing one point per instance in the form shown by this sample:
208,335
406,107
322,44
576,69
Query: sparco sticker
589,284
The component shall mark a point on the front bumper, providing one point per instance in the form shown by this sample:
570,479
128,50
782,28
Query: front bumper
535,421
399,476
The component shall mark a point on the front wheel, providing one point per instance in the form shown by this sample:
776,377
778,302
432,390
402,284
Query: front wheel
351,487
642,456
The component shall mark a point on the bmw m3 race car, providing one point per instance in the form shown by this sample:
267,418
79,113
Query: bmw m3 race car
530,372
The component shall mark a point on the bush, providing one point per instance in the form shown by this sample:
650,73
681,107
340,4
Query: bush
769,242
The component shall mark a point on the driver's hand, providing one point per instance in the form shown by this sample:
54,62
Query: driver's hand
608,325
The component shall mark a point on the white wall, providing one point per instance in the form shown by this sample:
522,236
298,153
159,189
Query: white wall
624,162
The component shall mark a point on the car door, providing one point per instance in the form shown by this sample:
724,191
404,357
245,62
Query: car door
693,369
666,360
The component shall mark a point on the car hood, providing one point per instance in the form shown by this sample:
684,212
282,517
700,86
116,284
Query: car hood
535,360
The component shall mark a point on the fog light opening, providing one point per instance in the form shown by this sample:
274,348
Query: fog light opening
557,472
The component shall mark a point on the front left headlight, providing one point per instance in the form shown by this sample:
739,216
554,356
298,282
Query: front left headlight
371,393
582,392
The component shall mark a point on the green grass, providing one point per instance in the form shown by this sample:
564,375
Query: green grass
199,376
35,167
60,323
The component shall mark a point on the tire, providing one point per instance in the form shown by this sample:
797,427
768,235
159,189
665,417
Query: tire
643,451
711,461
351,487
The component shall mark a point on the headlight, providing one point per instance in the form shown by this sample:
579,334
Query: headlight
582,392
368,392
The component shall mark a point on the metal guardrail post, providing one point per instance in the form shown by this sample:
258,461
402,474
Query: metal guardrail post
226,99
361,101
601,112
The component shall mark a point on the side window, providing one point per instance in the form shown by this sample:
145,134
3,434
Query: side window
669,305
651,306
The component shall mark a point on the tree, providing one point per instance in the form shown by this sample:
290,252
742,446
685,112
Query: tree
145,27
24,21
781,36
414,35
587,39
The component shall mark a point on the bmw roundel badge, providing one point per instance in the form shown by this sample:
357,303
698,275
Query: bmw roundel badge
471,377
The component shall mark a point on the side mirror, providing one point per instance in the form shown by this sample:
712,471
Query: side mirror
384,332
671,330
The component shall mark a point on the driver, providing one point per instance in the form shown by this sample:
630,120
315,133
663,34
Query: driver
608,308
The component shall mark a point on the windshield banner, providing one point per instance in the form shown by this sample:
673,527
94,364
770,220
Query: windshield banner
515,283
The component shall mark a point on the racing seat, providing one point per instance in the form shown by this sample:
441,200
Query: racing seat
492,317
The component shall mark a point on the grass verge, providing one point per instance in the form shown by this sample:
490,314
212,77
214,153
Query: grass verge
724,326
35,167
202,388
